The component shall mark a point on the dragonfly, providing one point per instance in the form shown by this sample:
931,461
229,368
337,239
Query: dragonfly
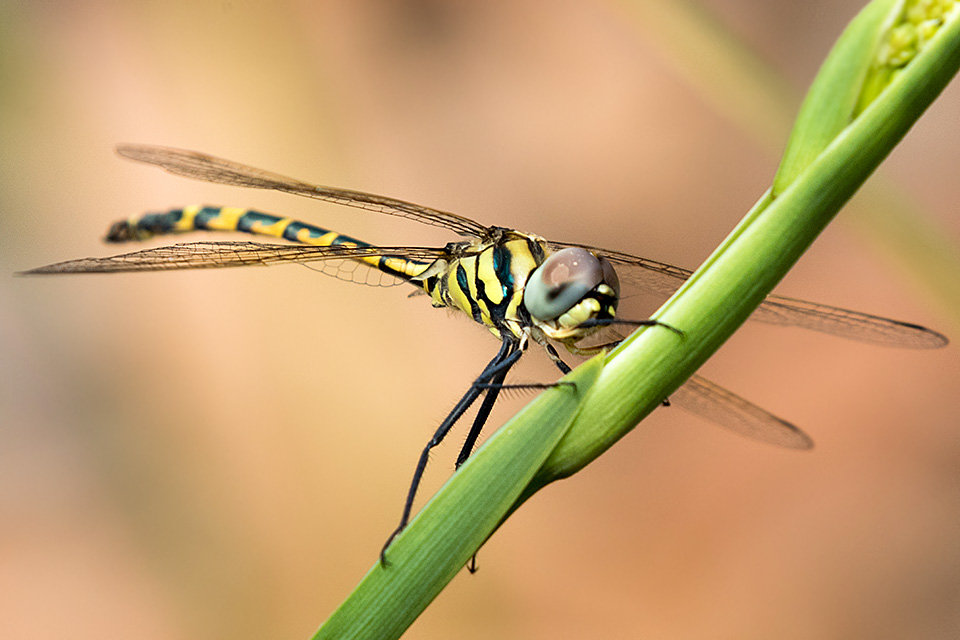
523,288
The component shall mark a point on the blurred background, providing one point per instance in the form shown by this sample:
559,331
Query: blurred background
221,454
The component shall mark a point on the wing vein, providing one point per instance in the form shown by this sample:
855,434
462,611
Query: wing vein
200,166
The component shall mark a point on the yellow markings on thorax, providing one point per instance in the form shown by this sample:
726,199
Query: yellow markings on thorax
522,263
493,288
472,267
479,268
502,296
460,298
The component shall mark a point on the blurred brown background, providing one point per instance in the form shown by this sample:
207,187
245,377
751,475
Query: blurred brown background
221,454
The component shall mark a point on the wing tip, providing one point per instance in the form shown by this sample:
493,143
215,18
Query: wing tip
787,436
129,149
927,338
151,153
136,151
801,442
53,269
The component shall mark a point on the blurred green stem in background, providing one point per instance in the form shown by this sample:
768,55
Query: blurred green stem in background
854,115
748,91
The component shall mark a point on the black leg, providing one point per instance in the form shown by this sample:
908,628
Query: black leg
556,359
493,390
501,363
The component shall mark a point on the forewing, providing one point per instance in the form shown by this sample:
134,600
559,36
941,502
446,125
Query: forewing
207,255
201,166
725,408
664,279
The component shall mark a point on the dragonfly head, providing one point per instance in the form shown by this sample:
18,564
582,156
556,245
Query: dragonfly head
570,288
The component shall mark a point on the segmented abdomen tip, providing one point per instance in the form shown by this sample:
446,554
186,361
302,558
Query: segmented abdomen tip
119,232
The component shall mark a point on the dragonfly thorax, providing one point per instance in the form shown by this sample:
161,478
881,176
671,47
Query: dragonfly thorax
485,279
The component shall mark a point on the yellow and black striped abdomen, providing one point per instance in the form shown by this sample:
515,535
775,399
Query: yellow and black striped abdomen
208,218
484,279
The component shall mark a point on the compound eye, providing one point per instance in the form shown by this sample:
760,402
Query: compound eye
562,281
610,276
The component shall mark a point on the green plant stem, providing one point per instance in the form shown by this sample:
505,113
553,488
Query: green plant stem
460,517
732,282
652,363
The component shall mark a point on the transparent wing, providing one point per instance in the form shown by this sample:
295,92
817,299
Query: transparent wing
206,255
664,279
708,400
201,166
848,324
356,272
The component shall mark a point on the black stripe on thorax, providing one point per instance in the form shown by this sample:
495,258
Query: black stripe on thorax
465,287
501,268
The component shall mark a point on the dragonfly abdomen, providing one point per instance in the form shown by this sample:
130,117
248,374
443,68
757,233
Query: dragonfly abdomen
206,218
212,218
